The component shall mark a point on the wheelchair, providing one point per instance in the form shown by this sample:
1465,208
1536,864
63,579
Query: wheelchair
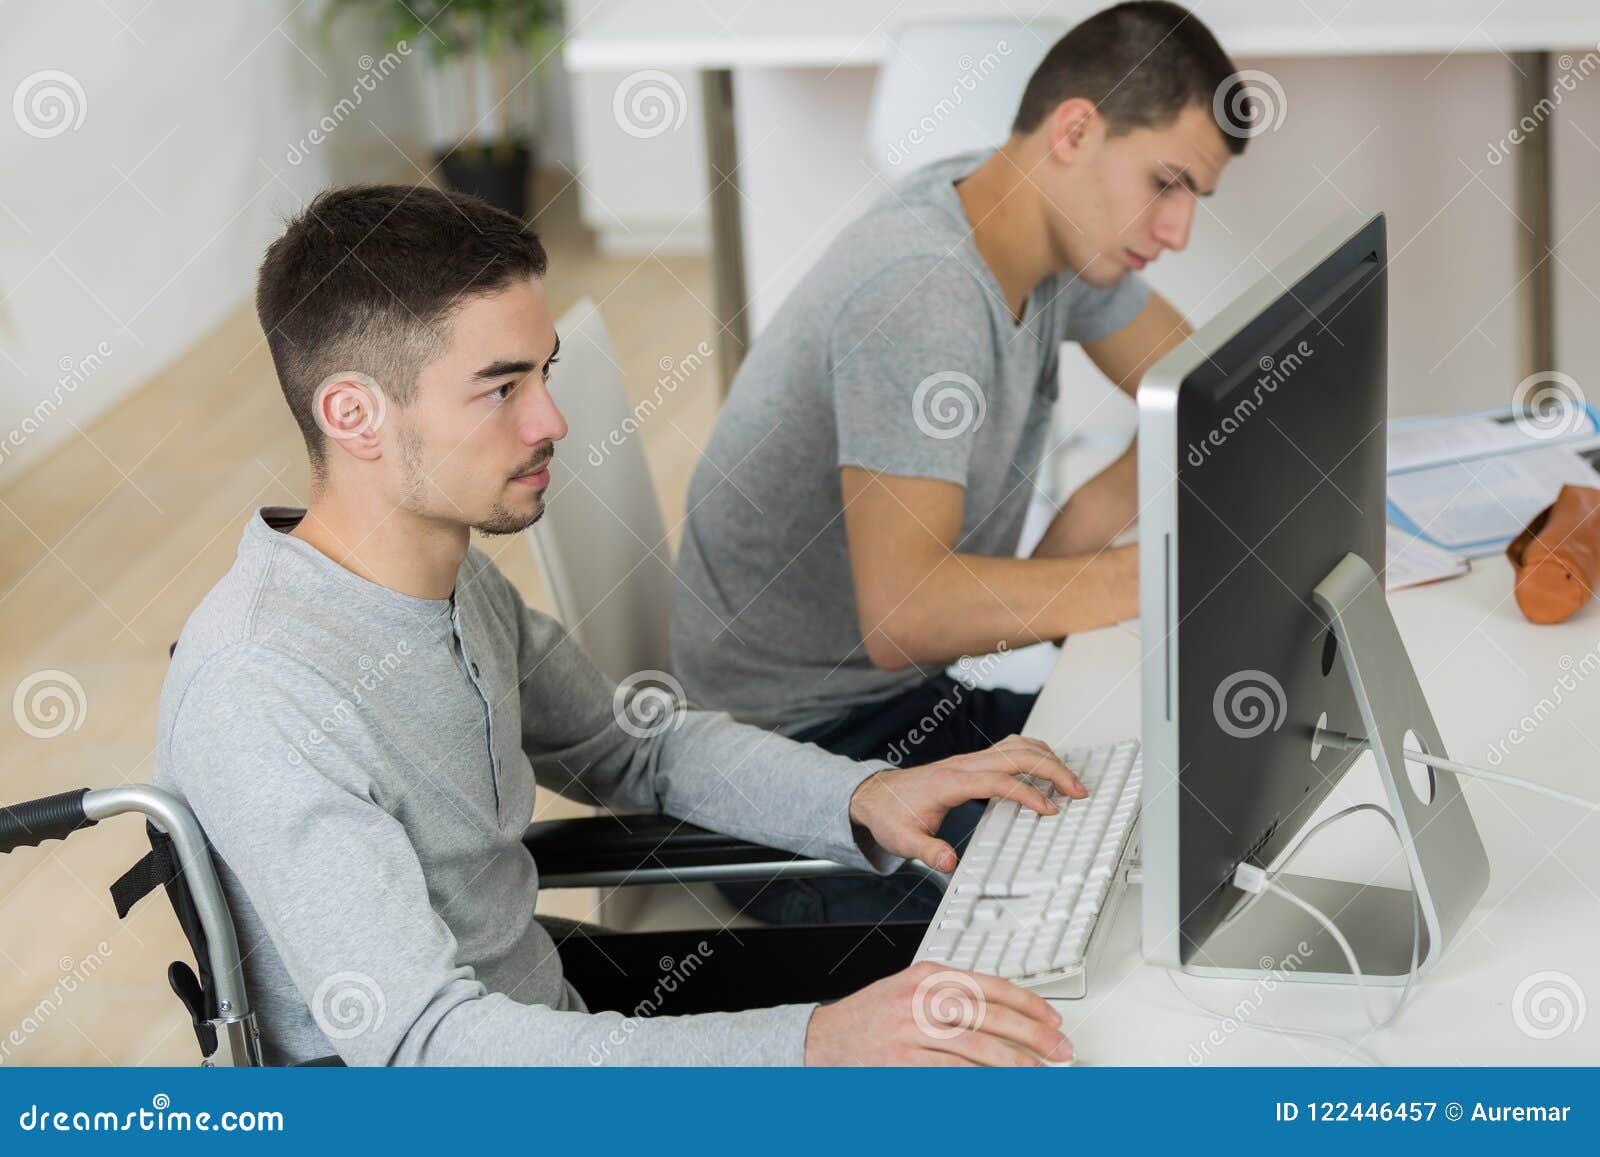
596,851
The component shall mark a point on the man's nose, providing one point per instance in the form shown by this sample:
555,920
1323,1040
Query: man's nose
544,420
1172,228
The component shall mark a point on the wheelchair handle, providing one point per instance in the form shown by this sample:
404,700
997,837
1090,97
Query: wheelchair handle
54,817
58,816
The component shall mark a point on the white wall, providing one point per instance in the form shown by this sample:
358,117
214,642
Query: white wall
640,162
125,239
1576,140
135,232
1405,135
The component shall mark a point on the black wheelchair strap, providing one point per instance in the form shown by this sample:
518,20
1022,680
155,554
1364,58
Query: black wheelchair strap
156,869
159,867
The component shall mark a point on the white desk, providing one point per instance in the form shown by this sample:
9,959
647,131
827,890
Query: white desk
828,33
786,160
1484,668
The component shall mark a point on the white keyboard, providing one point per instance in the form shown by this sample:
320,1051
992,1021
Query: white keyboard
1030,892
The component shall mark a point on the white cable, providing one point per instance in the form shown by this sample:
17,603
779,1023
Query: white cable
1375,1019
1247,871
1300,845
1254,879
1259,882
1343,742
1497,777
1266,882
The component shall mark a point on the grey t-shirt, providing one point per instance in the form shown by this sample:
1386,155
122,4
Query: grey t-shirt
363,764
897,354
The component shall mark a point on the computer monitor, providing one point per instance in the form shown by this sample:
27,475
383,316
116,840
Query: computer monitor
1261,466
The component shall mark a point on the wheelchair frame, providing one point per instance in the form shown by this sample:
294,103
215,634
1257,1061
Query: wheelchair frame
602,851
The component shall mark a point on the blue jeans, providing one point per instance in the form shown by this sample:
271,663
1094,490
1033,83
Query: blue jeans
932,721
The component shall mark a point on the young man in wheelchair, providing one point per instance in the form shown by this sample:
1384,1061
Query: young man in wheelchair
360,711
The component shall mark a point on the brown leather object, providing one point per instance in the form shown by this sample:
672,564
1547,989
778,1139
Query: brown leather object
1557,557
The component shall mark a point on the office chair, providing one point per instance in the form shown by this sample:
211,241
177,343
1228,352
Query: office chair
602,552
926,76
601,547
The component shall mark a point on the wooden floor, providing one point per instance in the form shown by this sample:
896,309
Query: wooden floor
110,542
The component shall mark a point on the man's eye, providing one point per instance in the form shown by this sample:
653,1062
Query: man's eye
547,366
500,393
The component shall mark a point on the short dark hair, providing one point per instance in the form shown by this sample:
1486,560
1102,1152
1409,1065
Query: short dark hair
1141,64
367,278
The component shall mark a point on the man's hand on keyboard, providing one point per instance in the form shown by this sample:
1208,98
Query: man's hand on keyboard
904,807
931,1014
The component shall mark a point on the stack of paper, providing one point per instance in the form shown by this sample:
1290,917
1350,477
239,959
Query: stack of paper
1470,483
1410,562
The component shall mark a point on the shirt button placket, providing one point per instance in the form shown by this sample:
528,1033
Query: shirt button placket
488,711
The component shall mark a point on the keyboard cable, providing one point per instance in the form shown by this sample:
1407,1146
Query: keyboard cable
1259,882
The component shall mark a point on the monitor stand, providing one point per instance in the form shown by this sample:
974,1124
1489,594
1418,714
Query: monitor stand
1447,862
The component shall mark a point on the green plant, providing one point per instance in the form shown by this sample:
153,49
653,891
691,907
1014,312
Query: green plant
482,32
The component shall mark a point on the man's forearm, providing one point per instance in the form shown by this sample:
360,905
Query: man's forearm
1097,512
971,604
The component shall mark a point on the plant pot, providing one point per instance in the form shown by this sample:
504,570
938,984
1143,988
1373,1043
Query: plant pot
498,175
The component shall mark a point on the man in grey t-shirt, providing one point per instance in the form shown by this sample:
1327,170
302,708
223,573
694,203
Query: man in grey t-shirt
854,524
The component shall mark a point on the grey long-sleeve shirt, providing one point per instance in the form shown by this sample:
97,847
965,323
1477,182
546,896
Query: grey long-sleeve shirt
364,762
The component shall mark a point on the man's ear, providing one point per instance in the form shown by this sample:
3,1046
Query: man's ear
1075,126
350,408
